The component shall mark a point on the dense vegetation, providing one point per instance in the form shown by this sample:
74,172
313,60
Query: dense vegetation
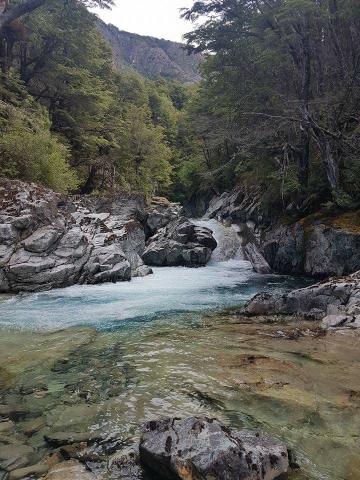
278,105
72,122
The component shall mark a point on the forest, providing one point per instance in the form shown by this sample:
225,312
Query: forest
278,104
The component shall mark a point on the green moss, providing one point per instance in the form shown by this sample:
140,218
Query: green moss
349,221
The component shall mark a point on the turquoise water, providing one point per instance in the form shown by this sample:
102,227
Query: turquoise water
106,358
170,290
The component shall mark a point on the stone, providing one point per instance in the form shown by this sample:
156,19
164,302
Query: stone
33,426
7,426
69,470
13,457
125,464
33,471
23,222
253,255
69,240
180,243
58,439
41,240
331,321
14,412
204,448
311,248
333,302
7,233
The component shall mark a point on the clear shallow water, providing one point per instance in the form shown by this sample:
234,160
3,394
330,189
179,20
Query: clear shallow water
106,358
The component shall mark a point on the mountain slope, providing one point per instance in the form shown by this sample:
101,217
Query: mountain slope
152,57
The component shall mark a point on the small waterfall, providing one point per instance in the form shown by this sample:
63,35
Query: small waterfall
229,242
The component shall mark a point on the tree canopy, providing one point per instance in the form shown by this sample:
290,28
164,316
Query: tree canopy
281,92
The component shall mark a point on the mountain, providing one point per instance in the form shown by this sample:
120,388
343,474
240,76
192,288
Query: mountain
152,57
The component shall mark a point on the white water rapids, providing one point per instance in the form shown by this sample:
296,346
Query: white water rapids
227,280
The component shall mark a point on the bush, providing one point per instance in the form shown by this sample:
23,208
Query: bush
36,156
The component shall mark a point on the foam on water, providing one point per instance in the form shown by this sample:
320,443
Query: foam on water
169,290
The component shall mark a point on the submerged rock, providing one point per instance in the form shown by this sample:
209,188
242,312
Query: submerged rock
14,456
34,471
180,243
69,470
196,448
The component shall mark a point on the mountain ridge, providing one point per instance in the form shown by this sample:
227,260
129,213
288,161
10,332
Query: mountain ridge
152,57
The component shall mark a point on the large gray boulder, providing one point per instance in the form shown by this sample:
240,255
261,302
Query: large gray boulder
161,214
200,449
49,241
240,205
335,302
180,243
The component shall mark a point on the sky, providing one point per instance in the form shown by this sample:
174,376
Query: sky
157,18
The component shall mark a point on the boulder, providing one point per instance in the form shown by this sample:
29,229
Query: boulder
180,243
41,240
161,214
125,464
29,472
49,241
69,470
240,205
335,302
13,456
254,256
332,321
197,448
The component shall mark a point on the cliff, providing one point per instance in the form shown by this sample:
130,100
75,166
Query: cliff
152,57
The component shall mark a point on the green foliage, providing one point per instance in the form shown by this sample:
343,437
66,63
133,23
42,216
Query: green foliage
279,97
79,121
29,151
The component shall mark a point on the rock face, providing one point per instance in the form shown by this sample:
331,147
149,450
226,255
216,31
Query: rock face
335,302
153,57
162,213
195,449
180,243
317,249
318,245
48,241
240,205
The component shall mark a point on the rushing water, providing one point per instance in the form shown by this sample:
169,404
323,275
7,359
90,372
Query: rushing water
227,281
105,358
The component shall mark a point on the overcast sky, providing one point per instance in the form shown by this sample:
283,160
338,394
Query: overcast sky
158,18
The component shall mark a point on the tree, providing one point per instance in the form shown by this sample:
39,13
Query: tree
10,11
285,74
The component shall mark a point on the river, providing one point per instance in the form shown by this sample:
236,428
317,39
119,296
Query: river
105,358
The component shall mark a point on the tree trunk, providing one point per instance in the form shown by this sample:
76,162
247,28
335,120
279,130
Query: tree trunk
303,164
16,11
329,158
90,184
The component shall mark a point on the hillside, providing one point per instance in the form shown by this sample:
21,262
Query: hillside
152,57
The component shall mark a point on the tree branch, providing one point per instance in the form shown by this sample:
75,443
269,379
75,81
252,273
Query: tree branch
17,11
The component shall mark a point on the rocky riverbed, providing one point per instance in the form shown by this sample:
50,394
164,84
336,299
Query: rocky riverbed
81,394
82,368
